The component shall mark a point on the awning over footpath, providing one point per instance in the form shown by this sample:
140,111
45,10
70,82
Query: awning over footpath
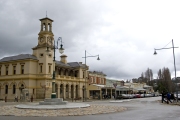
139,89
147,86
95,87
123,88
99,87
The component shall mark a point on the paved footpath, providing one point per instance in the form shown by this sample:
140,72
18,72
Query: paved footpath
9,109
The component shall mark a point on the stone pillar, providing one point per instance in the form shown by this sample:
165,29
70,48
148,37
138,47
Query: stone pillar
70,92
74,91
64,92
80,92
58,92
87,93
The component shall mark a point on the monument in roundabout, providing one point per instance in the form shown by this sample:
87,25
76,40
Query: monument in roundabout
51,103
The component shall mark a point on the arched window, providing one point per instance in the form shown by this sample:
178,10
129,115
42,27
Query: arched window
49,27
14,89
6,89
44,26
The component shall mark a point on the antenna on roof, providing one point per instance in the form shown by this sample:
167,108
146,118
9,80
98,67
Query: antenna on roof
46,13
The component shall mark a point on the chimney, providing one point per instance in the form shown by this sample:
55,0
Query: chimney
63,59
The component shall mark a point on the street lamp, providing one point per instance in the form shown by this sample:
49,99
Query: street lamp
155,53
85,89
61,50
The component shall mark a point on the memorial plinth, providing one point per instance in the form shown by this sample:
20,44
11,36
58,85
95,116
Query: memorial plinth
53,101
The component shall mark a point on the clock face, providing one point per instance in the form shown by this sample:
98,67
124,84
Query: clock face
41,40
50,41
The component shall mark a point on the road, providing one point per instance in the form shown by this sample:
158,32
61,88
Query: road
137,109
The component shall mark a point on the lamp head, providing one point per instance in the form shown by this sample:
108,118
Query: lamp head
98,58
155,53
61,49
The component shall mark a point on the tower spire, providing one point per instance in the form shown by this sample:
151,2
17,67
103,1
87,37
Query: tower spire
46,13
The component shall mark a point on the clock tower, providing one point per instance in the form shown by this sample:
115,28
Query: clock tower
45,39
45,34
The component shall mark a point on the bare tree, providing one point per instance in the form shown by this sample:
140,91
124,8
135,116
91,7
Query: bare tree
164,80
148,76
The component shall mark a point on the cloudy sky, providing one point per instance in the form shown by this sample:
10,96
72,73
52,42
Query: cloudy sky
123,32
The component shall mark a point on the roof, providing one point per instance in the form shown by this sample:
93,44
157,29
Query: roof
18,57
98,85
46,18
75,64
70,64
97,72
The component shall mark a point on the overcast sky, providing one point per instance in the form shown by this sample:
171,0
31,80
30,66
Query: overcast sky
123,32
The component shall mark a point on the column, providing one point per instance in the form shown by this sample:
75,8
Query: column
80,92
64,92
58,92
70,92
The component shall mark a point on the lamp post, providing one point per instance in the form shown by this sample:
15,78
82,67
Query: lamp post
155,53
61,50
85,88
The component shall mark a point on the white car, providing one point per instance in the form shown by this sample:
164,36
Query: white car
176,95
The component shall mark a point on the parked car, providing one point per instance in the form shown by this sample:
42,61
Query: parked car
127,96
149,95
137,96
175,95
119,97
142,95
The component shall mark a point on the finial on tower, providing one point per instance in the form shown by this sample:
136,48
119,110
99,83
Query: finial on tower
46,13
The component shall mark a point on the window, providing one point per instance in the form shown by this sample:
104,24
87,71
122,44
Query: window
41,55
44,26
22,69
40,68
33,91
49,68
91,79
6,70
83,74
14,70
14,89
6,89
